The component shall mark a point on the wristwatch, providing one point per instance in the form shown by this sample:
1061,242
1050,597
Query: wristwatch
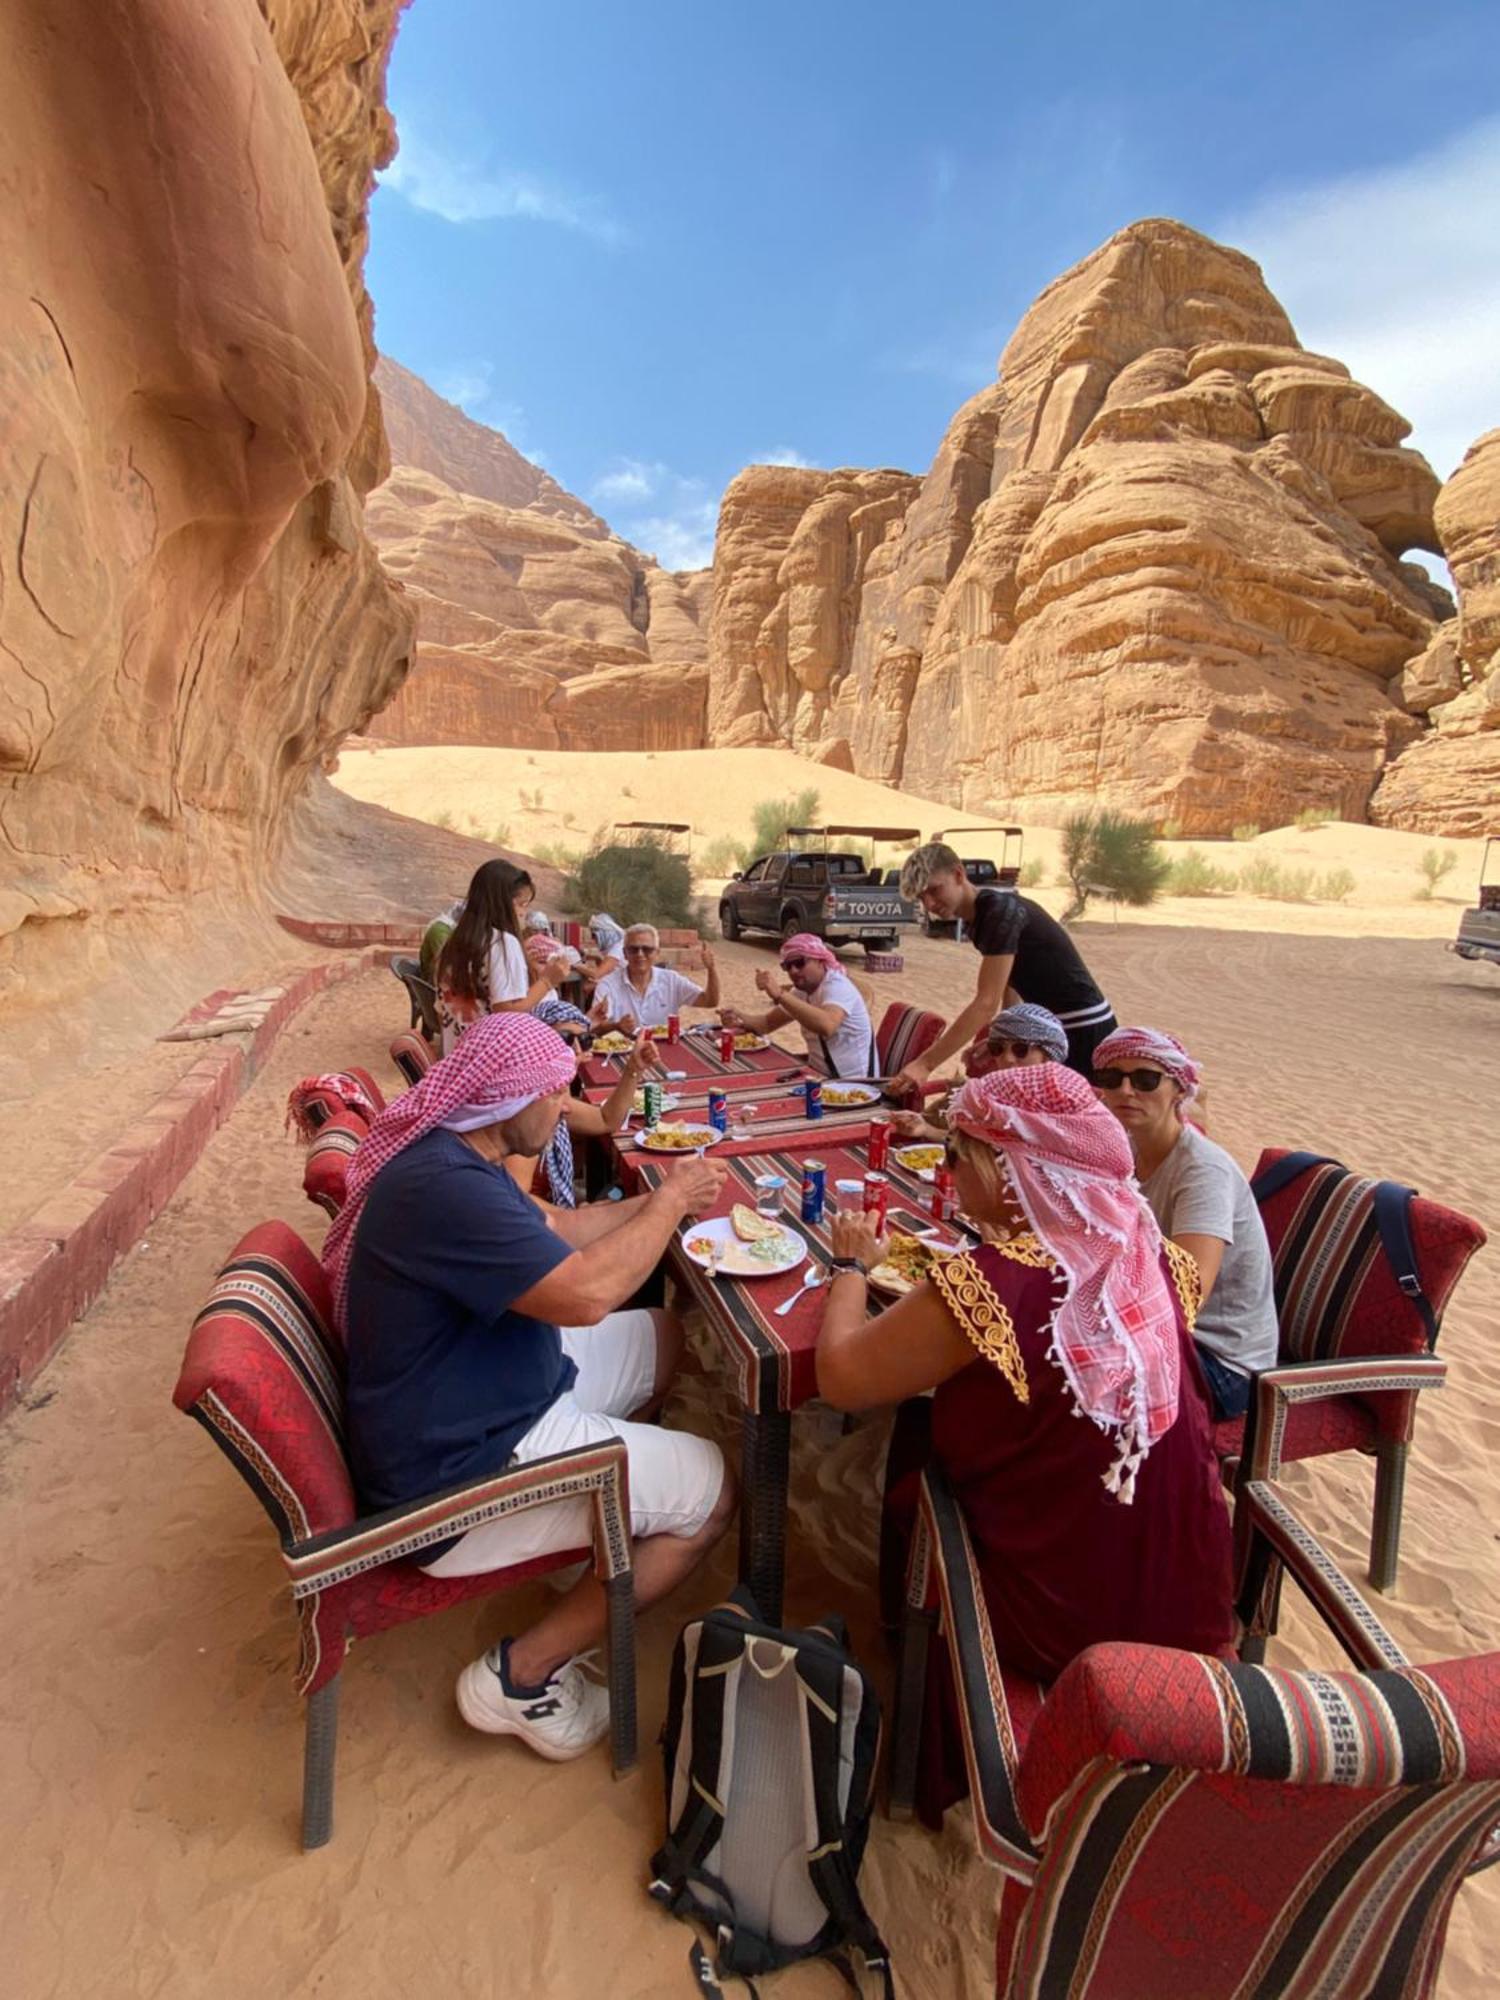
849,1264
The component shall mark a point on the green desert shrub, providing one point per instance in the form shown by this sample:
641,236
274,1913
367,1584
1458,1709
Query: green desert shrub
1337,886
642,883
1032,874
443,819
1434,865
1246,830
772,817
721,856
1108,854
1264,877
1193,874
1311,817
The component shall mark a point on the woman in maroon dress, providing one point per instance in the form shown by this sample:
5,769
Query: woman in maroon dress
1113,1527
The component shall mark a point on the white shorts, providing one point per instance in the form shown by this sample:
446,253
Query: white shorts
675,1477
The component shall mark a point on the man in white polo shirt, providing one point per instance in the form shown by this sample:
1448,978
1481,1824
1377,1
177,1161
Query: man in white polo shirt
643,994
814,990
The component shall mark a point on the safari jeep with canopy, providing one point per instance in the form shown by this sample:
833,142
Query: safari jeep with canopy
982,872
1479,928
812,888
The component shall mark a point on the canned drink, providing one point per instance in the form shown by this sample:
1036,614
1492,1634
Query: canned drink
651,1101
944,1199
814,1187
718,1110
877,1197
813,1097
726,1045
878,1150
674,1027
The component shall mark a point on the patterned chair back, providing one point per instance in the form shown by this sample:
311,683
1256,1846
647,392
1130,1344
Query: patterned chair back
326,1166
1336,1290
412,1056
1218,1830
264,1375
904,1032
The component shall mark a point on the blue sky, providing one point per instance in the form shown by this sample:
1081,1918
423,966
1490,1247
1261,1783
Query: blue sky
656,243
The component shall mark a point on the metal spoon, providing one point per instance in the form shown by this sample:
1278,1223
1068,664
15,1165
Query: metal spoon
817,1276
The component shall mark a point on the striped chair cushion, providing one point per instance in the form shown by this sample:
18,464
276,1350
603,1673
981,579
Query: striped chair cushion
412,1056
326,1167
904,1032
264,1374
1336,1293
1215,1830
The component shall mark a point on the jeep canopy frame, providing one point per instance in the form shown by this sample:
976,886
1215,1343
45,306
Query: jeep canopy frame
1009,869
639,827
889,835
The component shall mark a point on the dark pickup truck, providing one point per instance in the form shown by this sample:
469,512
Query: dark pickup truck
1479,928
983,874
832,896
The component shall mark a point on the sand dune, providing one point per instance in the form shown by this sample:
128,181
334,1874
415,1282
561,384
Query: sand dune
153,1742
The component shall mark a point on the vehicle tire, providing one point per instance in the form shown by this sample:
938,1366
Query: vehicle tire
729,923
792,921
1466,951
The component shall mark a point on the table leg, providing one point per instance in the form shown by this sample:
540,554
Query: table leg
765,1468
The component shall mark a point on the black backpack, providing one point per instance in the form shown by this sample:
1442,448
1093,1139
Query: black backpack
770,1745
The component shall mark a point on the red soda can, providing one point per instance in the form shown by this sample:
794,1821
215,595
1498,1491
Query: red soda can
726,1045
877,1195
674,1028
877,1152
944,1199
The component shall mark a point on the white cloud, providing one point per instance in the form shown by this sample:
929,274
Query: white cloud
471,385
1393,271
463,190
632,479
679,527
683,539
782,454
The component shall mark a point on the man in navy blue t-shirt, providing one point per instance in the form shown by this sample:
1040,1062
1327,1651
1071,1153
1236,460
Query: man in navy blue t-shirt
482,1331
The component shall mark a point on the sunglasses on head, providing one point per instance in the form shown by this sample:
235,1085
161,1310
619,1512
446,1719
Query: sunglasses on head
1139,1079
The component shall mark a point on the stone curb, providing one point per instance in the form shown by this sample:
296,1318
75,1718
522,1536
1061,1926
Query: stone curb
347,937
54,1264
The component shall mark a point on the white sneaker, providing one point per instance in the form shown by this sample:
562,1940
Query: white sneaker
561,1720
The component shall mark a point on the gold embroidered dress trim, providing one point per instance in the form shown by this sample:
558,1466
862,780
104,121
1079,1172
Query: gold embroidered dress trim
1187,1281
982,1315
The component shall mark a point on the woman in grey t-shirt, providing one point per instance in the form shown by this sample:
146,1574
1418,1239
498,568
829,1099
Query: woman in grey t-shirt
1202,1201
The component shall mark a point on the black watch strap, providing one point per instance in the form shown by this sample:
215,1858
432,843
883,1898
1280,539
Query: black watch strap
849,1264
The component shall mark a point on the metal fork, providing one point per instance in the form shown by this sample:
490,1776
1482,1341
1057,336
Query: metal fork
817,1276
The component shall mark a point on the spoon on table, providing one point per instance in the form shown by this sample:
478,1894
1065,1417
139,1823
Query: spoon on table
817,1276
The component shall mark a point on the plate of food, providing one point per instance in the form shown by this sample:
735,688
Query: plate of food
923,1161
908,1259
613,1044
745,1040
743,1244
679,1138
668,1103
842,1095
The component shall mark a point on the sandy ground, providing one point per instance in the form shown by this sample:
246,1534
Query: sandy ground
151,1739
571,796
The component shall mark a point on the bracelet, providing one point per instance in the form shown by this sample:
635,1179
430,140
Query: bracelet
848,1264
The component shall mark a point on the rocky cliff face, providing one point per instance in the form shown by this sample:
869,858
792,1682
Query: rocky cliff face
1157,563
1448,782
191,617
537,625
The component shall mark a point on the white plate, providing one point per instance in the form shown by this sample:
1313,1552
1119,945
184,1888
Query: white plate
887,1279
857,1093
735,1261
611,1045
902,1156
703,1137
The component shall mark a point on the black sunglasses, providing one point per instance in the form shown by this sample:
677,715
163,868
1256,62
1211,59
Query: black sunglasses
1020,1050
793,964
640,950
1144,1080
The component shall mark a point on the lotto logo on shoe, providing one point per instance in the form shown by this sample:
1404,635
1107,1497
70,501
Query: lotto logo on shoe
540,1709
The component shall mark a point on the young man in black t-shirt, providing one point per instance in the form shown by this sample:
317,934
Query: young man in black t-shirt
1022,948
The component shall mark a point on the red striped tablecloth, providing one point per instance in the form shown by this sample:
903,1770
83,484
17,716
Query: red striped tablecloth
773,1358
698,1055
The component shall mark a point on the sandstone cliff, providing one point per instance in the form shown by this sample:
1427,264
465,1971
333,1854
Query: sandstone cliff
537,626
1157,563
1448,782
191,617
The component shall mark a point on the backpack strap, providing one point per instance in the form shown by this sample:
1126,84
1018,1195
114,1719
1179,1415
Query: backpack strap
1284,1171
1393,1219
820,1678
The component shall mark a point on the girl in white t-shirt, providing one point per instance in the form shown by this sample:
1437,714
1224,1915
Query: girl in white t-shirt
483,967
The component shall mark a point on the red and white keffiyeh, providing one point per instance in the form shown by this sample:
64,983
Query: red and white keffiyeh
338,1083
805,945
1152,1045
1114,1334
505,1061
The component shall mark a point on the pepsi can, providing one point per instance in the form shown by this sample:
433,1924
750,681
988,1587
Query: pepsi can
813,1096
814,1185
718,1110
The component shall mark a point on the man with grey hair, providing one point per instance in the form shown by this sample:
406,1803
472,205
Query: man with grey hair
643,994
1025,954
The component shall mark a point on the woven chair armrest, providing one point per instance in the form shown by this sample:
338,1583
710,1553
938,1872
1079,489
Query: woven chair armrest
1276,1536
990,1749
1276,1391
596,1472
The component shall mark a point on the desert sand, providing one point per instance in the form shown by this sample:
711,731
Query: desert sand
153,1742
551,798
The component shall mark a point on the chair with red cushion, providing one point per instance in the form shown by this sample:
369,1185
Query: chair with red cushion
904,1032
1172,1824
264,1375
316,1099
326,1165
412,1056
1348,1329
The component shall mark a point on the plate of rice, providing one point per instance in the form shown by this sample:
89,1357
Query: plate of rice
908,1260
842,1095
679,1138
923,1161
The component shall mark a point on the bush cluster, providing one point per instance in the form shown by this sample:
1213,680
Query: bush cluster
642,883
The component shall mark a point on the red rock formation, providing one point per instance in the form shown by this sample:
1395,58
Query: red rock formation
1157,564
537,625
190,615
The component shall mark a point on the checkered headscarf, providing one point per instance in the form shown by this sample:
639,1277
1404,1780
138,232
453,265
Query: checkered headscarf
503,1062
